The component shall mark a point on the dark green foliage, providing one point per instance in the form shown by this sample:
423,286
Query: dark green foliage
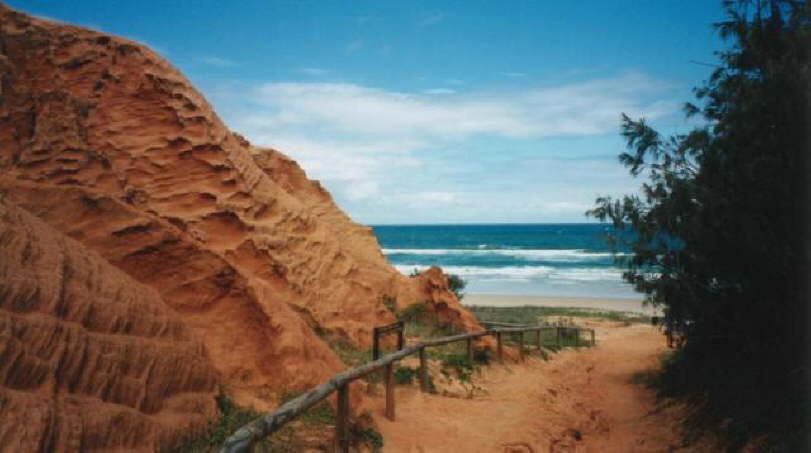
404,375
719,236
482,356
390,303
370,436
457,284
412,313
459,363
231,418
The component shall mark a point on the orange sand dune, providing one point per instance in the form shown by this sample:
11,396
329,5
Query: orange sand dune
579,401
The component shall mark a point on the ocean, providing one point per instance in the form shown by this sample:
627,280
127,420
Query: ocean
553,260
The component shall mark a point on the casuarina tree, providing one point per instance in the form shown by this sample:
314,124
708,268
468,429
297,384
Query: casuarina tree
718,235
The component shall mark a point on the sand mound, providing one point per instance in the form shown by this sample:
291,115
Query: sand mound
89,358
109,144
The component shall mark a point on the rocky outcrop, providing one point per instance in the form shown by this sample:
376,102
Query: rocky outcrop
112,146
89,358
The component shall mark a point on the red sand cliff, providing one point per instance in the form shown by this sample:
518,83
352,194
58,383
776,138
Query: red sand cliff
109,144
89,358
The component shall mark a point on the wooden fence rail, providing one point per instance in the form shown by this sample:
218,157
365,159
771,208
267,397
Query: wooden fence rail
243,439
378,332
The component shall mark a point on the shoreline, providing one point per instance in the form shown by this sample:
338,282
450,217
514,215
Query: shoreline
608,304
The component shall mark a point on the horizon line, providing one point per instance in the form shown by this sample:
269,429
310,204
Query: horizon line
485,223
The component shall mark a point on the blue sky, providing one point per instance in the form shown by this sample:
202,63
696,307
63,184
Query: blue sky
434,112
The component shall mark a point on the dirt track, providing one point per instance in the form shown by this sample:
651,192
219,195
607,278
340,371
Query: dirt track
584,401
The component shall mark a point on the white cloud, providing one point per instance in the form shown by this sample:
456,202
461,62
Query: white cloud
219,62
313,72
439,91
347,109
433,198
48,18
353,47
373,147
430,18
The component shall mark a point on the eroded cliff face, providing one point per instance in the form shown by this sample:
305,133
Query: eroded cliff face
89,358
110,145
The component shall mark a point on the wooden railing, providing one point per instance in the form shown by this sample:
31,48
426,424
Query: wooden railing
378,332
244,438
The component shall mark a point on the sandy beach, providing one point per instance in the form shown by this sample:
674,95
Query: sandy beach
501,300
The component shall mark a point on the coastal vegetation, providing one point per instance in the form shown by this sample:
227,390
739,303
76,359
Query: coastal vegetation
457,286
533,315
719,233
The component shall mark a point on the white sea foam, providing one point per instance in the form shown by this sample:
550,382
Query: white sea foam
564,255
527,273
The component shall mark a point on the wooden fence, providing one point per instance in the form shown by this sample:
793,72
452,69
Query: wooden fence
244,438
378,332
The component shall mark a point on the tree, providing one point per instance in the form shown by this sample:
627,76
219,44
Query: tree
457,285
718,234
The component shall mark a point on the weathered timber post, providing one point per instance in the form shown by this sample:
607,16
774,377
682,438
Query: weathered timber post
538,339
470,351
521,346
500,351
375,344
423,371
592,337
342,420
390,391
400,335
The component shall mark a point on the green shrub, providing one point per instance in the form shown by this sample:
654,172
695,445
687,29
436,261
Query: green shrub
457,284
460,363
231,418
369,435
482,356
404,375
412,313
390,303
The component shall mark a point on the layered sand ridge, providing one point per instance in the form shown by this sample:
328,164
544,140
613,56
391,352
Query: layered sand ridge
109,144
89,358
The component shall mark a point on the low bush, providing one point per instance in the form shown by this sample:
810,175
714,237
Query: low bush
404,375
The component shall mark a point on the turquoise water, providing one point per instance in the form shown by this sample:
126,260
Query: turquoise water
570,260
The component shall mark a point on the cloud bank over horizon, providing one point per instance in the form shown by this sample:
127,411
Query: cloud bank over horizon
452,154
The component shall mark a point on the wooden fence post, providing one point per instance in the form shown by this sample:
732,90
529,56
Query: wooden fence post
375,344
342,420
400,337
390,391
499,348
521,346
470,351
538,339
423,371
592,337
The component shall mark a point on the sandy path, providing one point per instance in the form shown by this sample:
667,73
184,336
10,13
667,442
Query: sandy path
584,401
